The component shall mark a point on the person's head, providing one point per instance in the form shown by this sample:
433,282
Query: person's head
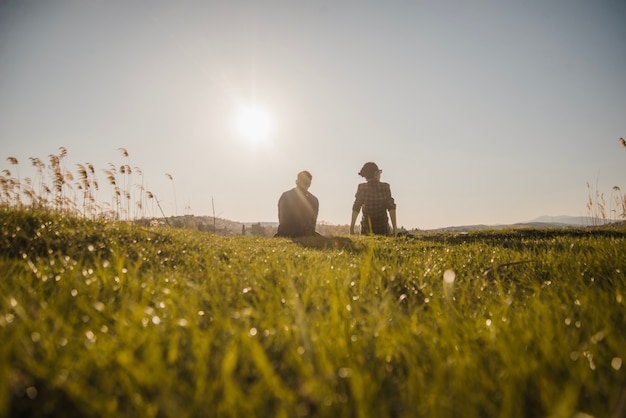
370,171
303,181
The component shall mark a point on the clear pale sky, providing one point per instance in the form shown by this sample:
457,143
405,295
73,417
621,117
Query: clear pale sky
482,112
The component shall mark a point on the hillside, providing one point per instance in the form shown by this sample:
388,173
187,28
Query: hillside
103,318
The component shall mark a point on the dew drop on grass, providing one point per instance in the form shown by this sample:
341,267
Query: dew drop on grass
201,313
253,331
31,392
300,350
35,336
488,322
449,276
98,306
597,337
74,292
156,320
616,363
62,376
344,372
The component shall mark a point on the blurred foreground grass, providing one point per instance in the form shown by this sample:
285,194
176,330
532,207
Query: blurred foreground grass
110,319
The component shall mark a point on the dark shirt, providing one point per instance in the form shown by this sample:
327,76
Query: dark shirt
297,213
375,199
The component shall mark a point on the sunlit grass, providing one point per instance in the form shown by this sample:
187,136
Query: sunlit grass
109,319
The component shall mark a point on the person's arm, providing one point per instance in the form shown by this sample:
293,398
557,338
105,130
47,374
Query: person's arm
392,211
392,215
355,214
356,207
315,211
281,209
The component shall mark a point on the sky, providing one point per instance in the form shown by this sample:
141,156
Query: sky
482,112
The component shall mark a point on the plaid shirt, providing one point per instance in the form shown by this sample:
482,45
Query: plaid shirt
375,199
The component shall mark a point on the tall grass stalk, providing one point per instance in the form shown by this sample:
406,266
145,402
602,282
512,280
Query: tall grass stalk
55,187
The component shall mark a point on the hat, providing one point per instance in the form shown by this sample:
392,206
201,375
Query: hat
369,170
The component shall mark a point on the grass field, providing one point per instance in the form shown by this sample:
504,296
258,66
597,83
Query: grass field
103,319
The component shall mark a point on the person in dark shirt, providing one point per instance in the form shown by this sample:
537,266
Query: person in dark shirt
374,198
298,209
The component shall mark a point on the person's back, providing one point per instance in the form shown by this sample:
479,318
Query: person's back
298,209
374,198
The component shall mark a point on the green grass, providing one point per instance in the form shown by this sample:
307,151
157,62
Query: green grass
111,319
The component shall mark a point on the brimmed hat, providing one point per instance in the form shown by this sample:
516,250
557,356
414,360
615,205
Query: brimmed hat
369,170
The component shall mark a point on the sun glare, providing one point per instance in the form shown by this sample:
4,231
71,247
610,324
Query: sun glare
254,124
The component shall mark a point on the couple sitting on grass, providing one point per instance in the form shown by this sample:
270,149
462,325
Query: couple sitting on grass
298,208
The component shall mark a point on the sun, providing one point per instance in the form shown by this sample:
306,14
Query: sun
254,124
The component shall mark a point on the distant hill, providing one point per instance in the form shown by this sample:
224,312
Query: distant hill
227,227
563,221
571,220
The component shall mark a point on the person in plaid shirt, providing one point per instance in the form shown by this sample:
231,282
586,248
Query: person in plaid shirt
374,198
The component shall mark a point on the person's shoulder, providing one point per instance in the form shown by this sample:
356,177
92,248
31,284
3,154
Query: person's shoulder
286,194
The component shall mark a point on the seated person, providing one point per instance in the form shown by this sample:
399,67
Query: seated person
374,198
298,209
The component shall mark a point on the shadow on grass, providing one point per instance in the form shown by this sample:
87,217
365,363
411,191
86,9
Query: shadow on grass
326,243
